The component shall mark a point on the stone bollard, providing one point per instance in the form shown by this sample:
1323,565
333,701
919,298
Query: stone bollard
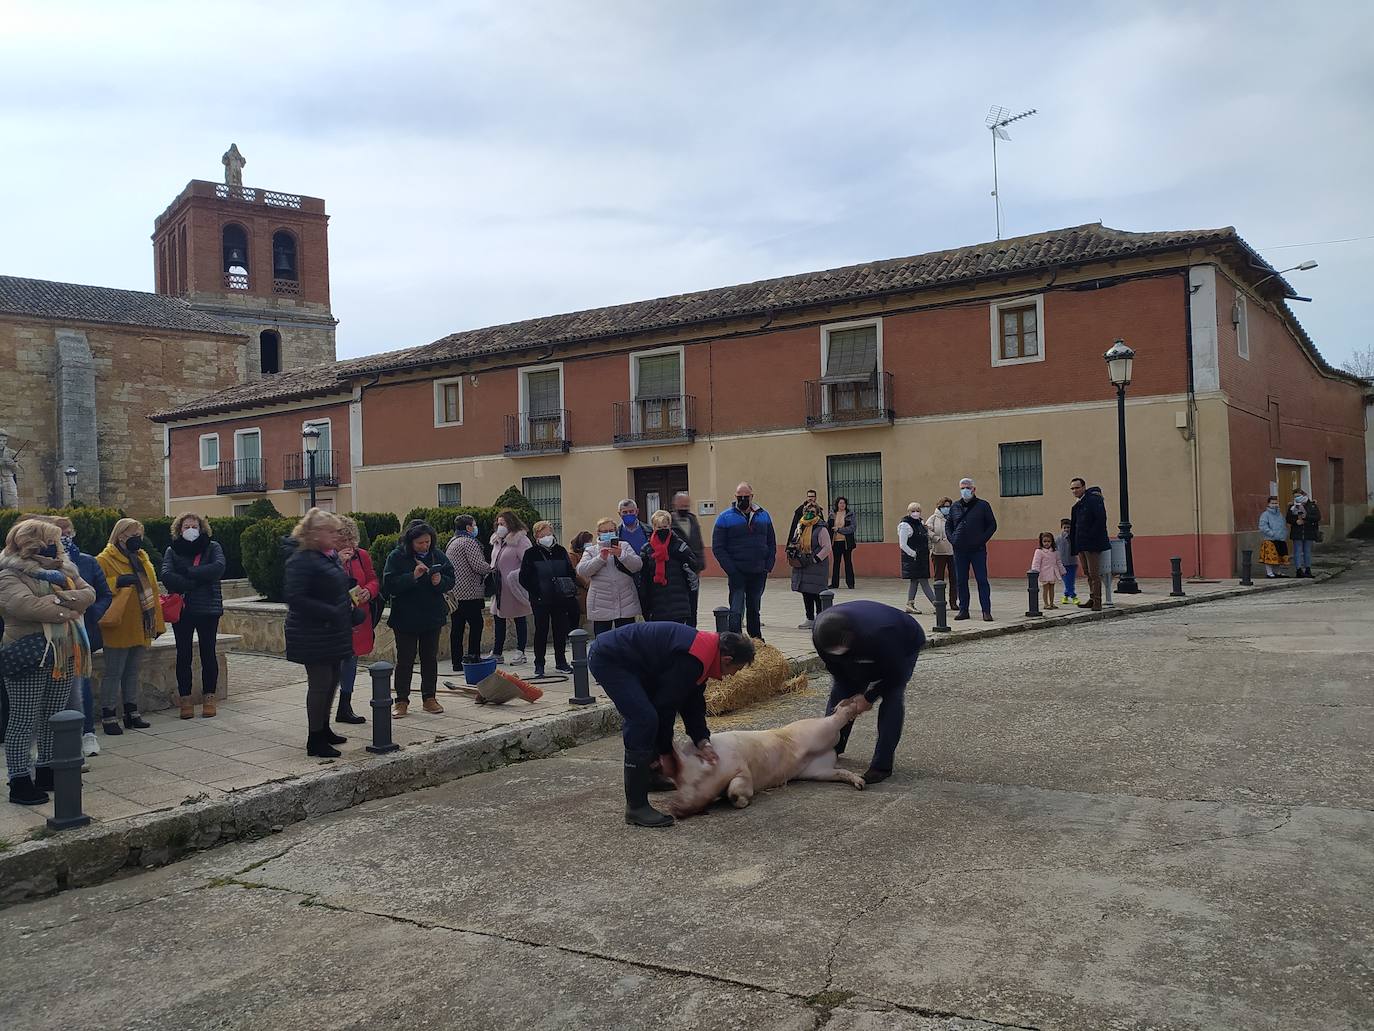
66,771
941,608
722,619
582,690
1176,574
1245,557
826,599
1033,594
380,672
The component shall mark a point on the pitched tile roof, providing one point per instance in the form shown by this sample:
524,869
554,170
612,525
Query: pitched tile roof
42,298
293,385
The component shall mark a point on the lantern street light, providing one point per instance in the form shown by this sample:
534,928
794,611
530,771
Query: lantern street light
71,475
311,436
1120,360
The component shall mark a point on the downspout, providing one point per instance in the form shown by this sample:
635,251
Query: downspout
355,439
1188,290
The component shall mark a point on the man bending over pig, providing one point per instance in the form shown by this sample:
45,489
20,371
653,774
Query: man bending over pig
870,649
653,672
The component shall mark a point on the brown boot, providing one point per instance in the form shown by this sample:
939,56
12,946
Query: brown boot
432,706
207,706
401,709
187,709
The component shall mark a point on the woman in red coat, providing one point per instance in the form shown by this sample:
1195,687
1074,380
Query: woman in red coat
357,563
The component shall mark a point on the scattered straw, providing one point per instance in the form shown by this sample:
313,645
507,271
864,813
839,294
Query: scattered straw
766,677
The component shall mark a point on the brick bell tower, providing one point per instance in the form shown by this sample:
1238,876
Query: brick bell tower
257,259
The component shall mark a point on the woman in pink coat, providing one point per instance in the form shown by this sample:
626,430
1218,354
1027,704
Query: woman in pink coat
508,546
357,563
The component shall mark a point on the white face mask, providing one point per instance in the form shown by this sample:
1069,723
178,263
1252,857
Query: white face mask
546,542
191,533
501,531
1301,499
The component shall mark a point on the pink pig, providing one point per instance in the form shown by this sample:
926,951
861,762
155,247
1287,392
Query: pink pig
755,760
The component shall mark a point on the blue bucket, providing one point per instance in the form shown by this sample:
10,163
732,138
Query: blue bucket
476,672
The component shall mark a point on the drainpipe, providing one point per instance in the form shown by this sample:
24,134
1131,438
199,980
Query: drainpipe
1188,290
355,439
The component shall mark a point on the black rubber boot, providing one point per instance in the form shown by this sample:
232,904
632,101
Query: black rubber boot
333,738
658,782
873,775
42,778
132,720
638,811
345,713
22,792
318,745
109,722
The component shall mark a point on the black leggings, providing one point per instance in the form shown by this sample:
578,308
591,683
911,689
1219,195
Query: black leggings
600,626
205,628
843,554
427,644
322,679
468,615
499,629
543,616
812,602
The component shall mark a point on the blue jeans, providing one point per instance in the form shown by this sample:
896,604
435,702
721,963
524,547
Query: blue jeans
978,562
746,594
348,673
1070,575
1302,554
84,702
891,715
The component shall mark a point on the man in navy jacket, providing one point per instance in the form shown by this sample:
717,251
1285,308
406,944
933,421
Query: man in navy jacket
1088,537
746,546
969,527
652,672
870,649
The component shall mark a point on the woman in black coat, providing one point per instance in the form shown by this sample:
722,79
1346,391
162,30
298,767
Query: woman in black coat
319,621
914,541
665,579
548,577
193,567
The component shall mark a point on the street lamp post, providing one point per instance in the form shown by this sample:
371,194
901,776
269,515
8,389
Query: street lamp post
1119,361
311,436
71,475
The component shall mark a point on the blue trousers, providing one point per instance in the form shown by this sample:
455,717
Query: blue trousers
978,562
1302,554
640,731
348,675
1070,575
891,715
746,594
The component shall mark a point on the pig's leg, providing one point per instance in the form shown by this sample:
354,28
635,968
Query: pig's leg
824,767
741,790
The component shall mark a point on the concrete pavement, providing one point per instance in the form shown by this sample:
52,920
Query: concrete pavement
1162,822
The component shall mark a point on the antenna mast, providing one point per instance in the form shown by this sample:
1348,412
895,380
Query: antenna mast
997,121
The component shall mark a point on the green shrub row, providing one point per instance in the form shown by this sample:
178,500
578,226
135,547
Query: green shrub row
371,524
93,525
263,560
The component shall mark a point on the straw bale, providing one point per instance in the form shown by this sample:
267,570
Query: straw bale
766,677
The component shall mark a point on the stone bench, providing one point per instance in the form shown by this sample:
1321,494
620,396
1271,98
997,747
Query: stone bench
157,676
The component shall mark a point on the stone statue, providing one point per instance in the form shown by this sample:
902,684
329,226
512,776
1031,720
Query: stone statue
9,473
233,163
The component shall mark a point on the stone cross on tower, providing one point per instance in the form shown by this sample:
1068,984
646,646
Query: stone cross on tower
233,163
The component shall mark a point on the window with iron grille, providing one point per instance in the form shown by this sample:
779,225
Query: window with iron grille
859,480
546,495
450,495
1020,468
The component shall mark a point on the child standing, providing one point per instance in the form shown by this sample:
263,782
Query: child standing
1068,560
1046,562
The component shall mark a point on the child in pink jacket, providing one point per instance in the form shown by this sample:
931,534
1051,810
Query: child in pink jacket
1046,562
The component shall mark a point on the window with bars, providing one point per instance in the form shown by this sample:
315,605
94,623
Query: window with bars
859,480
448,402
450,495
546,495
1020,468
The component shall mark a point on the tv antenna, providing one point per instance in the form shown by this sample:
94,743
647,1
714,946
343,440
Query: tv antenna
998,120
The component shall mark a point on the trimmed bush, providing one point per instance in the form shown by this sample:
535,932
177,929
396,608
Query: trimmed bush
374,523
262,555
382,546
93,525
262,508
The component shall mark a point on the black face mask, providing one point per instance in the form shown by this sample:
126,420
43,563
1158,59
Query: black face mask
684,512
744,504
134,543
49,551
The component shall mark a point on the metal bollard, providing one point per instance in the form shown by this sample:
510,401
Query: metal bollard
582,690
722,619
66,771
1245,580
1033,593
380,672
1176,573
826,599
941,608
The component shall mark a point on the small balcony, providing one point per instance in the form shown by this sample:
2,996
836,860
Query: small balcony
844,404
242,476
650,421
296,470
539,433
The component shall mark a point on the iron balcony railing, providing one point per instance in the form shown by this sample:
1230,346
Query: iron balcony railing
242,476
863,402
656,420
296,470
539,433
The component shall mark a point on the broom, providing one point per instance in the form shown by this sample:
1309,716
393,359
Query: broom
527,690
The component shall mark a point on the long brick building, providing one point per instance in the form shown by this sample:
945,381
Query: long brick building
885,382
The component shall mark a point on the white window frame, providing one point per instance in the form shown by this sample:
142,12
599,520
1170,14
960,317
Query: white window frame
825,357
200,450
1306,477
238,454
995,326
327,421
1241,319
439,385
681,351
524,404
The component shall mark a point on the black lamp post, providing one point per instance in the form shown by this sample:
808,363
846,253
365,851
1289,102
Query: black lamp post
1119,361
311,436
71,475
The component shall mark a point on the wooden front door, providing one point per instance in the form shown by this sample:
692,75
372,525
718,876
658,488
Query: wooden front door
655,486
1290,479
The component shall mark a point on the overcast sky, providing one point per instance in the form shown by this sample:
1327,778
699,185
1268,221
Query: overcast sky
484,162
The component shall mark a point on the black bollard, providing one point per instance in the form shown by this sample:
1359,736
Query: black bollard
582,690
1033,592
66,771
1245,580
722,619
827,598
1176,573
941,609
380,672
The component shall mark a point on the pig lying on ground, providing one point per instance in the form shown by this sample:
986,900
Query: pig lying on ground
755,760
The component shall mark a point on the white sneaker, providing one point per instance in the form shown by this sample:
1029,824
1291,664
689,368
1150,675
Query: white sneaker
519,659
89,745
807,625
499,657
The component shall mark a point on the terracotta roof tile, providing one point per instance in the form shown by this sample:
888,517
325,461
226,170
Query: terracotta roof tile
44,299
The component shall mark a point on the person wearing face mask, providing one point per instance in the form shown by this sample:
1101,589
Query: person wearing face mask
548,577
1089,539
1305,520
688,527
1273,528
870,649
808,553
509,542
83,697
193,567
470,569
941,551
969,526
913,539
416,577
611,568
668,573
746,546
631,530
133,622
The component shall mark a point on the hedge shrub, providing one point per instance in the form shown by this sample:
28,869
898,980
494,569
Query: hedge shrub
262,508
262,555
442,518
93,525
374,523
382,546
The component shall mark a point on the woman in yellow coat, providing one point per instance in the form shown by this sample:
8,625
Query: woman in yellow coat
133,622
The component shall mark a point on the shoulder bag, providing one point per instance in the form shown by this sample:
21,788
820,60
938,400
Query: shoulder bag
114,615
174,604
31,652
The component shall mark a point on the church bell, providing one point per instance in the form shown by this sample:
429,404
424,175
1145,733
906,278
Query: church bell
283,264
237,257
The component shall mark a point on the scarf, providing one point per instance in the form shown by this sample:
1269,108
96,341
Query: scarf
70,646
706,650
658,546
148,601
804,528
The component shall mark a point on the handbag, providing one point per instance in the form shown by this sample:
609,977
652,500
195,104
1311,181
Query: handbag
491,584
114,615
31,652
564,587
174,604
451,600
794,558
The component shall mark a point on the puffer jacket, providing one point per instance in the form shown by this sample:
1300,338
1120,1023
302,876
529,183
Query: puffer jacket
671,601
319,613
538,569
744,543
417,604
198,584
939,537
814,576
94,576
511,601
613,593
1272,525
916,553
25,607
970,525
470,568
1310,528
129,633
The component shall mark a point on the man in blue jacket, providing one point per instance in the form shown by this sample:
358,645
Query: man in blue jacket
870,649
969,527
1088,537
746,547
652,672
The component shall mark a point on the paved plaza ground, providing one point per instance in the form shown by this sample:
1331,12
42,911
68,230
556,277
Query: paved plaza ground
1158,822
